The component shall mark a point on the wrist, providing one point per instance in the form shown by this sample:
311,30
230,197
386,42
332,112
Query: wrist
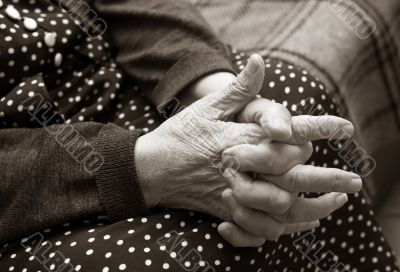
143,163
211,83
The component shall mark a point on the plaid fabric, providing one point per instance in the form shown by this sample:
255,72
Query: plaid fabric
352,46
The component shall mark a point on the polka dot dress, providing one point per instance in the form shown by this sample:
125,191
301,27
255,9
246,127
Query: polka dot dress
82,84
85,84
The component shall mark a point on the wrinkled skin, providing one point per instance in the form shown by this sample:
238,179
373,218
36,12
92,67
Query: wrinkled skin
198,159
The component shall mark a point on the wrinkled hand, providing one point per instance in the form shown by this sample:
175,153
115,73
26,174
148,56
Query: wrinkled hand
269,206
179,163
273,199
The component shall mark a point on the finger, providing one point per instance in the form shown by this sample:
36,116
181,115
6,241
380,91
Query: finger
269,158
238,237
232,134
307,128
312,179
310,209
218,135
274,118
299,227
260,195
253,221
228,102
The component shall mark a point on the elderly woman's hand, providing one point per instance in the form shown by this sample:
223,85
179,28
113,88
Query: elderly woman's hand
179,165
272,199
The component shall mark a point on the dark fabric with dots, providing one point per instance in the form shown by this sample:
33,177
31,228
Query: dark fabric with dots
176,240
90,86
55,77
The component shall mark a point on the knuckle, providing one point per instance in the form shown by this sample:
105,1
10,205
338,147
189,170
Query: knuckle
242,191
228,167
239,152
282,202
281,109
269,204
301,181
236,87
253,134
225,214
303,129
228,159
274,162
270,162
237,156
289,216
221,129
336,182
228,154
279,166
239,216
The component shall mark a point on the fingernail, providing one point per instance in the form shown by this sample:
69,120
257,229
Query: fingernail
278,125
356,184
227,172
252,65
349,129
226,231
341,199
227,194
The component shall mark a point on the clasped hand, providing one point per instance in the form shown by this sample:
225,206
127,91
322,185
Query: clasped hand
178,163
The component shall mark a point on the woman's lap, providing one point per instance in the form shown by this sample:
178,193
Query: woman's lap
350,237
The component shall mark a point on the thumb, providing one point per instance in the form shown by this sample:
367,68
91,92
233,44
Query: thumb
238,93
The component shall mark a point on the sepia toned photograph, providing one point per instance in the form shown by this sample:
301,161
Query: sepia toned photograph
200,135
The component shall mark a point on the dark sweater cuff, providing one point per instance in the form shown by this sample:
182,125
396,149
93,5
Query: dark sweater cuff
186,71
117,181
